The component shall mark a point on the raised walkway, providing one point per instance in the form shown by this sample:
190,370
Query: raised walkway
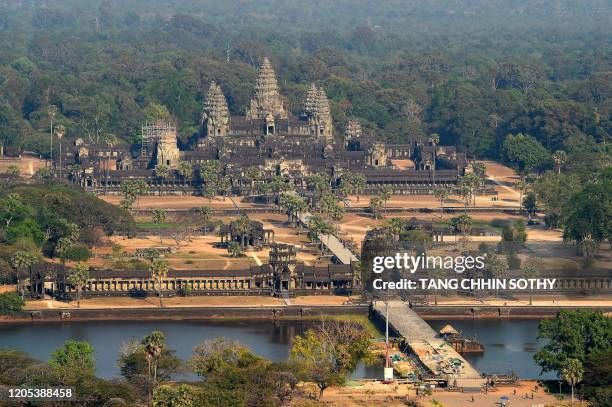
331,242
434,353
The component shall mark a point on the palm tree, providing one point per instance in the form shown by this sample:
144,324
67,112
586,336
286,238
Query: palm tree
205,214
162,171
185,170
159,271
154,345
560,158
396,225
52,112
531,269
110,141
78,277
359,183
572,373
60,130
159,217
20,261
521,186
441,195
242,226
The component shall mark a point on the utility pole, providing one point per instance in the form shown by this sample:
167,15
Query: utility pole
52,112
60,134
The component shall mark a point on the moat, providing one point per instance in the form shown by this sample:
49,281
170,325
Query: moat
510,344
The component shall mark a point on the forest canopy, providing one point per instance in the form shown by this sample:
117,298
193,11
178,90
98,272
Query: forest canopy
473,72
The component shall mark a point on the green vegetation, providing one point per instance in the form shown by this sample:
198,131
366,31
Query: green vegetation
53,221
230,373
10,303
579,348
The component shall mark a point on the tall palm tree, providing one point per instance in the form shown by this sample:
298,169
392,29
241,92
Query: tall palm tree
185,170
441,195
243,227
52,112
573,373
59,131
396,226
154,345
78,277
159,272
162,171
159,217
21,261
205,214
560,158
110,142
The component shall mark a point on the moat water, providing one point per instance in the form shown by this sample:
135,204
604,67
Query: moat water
510,344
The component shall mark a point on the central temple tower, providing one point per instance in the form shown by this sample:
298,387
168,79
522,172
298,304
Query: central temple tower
267,101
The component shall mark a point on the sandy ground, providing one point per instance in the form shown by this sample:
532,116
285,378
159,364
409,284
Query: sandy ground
195,301
522,300
378,394
593,301
27,165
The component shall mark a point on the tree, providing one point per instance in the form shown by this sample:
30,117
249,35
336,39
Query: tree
597,378
462,224
242,226
497,266
375,206
396,225
524,152
327,353
20,261
159,272
162,171
531,269
73,360
205,214
572,372
136,365
13,173
159,217
13,209
586,216
441,195
185,170
182,395
234,249
78,277
225,186
110,142
560,158
154,346
572,335
10,303
530,204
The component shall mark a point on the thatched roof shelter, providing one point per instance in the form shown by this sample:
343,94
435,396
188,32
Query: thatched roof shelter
448,330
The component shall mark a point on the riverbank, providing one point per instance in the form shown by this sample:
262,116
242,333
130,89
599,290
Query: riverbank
272,310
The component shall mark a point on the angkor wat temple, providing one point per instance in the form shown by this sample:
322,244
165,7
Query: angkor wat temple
270,140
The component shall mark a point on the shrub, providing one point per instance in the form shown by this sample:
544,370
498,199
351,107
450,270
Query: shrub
10,303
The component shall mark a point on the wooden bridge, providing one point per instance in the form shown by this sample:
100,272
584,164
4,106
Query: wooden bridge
434,353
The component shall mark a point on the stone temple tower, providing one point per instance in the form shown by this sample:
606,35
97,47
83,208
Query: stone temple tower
267,100
317,109
215,115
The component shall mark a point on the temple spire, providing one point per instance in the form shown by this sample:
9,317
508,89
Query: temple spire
267,100
215,113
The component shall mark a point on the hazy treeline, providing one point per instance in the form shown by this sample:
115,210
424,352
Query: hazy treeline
473,72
